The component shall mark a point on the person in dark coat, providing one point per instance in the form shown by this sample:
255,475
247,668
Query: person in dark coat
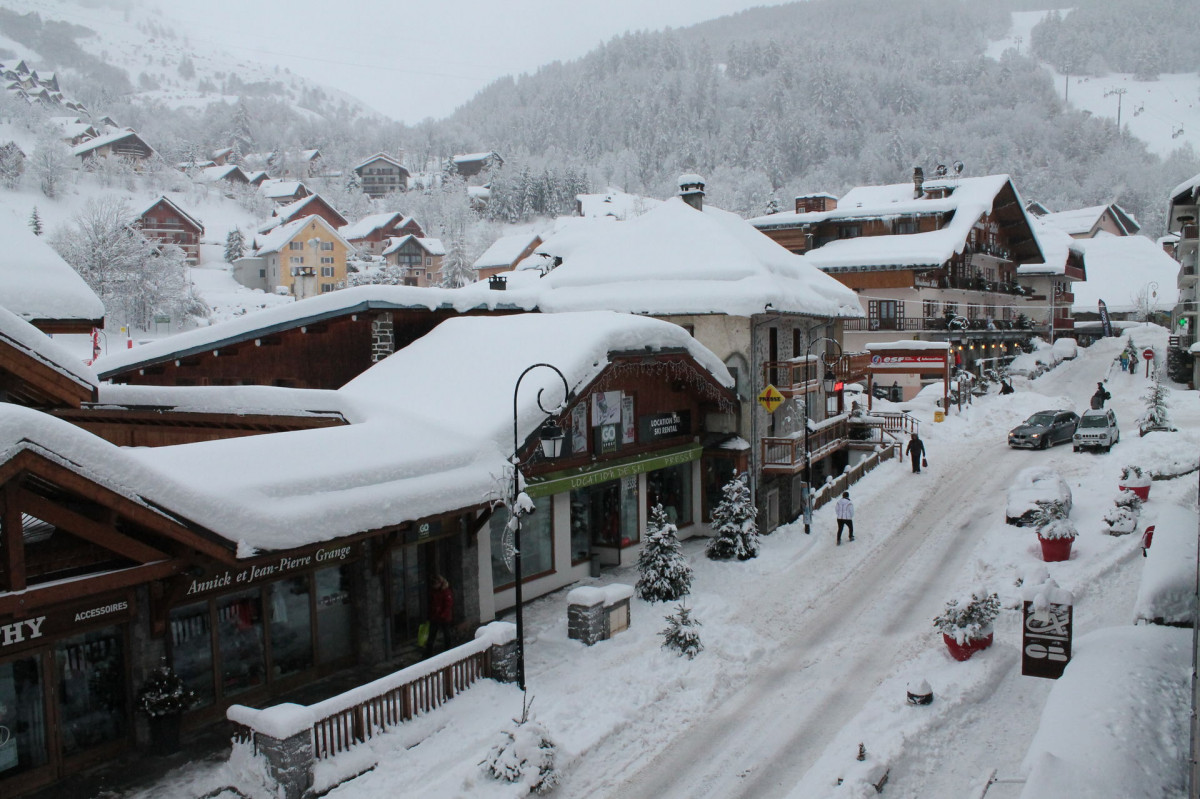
441,613
915,452
1100,396
1006,387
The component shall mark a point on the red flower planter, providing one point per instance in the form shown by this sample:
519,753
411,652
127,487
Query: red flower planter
1055,549
961,652
1143,492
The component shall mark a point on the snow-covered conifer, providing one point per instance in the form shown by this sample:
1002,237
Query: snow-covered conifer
664,572
235,245
681,634
1155,416
35,222
737,532
525,754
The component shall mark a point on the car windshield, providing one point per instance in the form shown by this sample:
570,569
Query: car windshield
1093,421
1041,419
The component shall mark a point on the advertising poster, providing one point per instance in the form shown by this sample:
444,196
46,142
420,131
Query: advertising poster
579,430
606,408
627,421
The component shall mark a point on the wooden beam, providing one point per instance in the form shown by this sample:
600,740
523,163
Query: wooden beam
104,535
13,542
82,587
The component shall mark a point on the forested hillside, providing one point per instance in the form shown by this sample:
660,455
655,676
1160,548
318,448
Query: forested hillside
824,95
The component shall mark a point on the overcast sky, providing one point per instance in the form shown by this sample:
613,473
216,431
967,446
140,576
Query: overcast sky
423,58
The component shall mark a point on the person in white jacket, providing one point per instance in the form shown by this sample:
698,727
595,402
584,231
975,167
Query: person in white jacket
844,510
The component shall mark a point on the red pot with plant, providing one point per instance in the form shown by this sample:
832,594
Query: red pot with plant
1135,480
1056,537
966,626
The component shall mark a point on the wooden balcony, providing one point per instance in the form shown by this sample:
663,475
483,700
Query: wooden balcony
799,376
785,454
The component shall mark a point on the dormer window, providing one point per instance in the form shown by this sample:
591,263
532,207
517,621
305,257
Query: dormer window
849,231
907,227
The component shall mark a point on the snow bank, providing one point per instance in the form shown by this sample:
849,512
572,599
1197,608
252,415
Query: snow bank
1167,593
1116,722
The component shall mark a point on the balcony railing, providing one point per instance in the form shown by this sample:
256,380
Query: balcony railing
936,281
785,454
931,324
802,375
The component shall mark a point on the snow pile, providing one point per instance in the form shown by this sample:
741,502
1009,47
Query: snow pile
1038,488
1116,722
1167,593
1130,273
35,282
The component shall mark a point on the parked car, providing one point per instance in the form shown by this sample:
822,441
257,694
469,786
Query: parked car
1097,430
1044,429
1037,491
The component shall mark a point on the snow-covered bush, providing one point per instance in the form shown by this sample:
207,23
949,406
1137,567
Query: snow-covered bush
1038,495
970,620
664,573
1134,476
1120,521
681,634
737,532
1057,528
525,754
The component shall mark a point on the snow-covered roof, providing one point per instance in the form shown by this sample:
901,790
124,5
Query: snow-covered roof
1055,244
278,237
506,250
211,174
309,311
677,260
1084,220
108,138
369,224
21,335
36,283
468,157
431,246
381,157
289,212
615,203
1190,187
967,200
1119,269
402,458
241,400
274,189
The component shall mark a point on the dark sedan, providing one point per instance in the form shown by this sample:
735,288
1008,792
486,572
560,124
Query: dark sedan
1044,429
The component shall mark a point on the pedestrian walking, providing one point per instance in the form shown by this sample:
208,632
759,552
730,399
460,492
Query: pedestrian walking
1124,361
844,510
1100,396
916,453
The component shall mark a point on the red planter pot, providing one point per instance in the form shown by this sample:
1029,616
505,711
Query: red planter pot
1143,492
961,652
1055,549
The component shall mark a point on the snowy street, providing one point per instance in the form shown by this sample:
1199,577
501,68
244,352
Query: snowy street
809,647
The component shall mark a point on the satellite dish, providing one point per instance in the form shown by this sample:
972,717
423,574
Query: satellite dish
941,170
958,167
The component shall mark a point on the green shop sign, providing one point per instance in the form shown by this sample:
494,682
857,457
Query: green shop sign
584,476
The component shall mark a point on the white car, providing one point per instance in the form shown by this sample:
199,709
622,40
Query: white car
1097,430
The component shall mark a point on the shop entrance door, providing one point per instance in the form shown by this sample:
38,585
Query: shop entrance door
413,567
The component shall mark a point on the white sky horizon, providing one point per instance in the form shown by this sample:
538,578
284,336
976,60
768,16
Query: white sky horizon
432,58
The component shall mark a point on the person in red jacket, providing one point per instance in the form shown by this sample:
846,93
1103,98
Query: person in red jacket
441,613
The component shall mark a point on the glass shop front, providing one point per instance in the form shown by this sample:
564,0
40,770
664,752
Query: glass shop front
65,697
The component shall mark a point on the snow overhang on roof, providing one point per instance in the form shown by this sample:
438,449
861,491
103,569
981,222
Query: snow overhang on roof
37,285
1127,272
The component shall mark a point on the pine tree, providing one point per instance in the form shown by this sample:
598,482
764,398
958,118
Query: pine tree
737,532
235,245
664,572
681,634
1156,416
35,222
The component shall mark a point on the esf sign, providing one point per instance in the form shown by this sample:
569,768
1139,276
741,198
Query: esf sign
1045,640
906,361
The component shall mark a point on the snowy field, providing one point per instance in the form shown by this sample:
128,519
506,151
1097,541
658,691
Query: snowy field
809,648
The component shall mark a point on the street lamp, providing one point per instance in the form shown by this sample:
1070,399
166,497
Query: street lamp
828,382
519,503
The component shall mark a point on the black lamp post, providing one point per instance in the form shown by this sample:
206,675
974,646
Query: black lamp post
551,436
828,382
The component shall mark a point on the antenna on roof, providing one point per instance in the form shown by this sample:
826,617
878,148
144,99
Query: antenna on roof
941,170
958,167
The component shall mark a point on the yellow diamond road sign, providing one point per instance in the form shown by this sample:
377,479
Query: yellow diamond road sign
770,398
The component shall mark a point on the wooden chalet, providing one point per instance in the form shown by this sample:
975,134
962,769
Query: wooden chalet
505,253
420,259
470,165
382,175
283,192
166,223
124,143
228,173
312,205
934,260
1087,223
371,233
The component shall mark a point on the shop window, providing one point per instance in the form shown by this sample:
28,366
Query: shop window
672,488
291,627
409,594
91,689
240,640
537,543
22,717
335,629
608,512
191,650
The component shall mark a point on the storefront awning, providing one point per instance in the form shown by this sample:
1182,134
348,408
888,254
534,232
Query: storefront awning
557,482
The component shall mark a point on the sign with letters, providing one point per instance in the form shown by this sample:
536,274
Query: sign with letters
1045,639
656,426
259,571
17,634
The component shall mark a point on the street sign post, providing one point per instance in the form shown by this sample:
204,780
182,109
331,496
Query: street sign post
770,398
1148,355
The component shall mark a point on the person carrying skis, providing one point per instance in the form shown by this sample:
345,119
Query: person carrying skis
1100,396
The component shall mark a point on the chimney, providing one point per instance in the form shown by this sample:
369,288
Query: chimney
691,190
497,282
918,181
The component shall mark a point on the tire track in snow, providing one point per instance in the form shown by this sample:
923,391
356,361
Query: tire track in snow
841,646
